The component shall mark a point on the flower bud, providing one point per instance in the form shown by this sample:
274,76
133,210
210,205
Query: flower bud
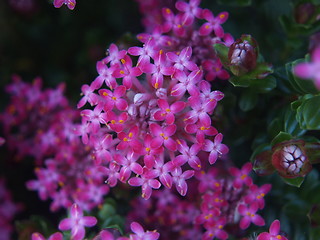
304,12
290,160
243,55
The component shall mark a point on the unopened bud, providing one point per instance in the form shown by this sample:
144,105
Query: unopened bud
304,12
243,55
290,159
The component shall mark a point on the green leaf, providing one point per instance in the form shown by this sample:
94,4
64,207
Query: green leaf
296,182
248,100
235,3
314,233
291,124
281,137
308,114
275,127
222,52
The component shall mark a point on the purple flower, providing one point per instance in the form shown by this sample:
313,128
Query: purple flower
273,233
241,176
55,236
181,60
147,183
215,148
249,215
167,112
76,222
310,70
213,24
70,3
140,234
190,11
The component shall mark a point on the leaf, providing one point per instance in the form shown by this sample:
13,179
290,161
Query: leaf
248,100
222,52
275,127
261,159
291,124
295,182
308,114
236,3
281,137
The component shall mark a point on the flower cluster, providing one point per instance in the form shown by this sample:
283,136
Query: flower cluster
229,201
77,223
41,124
153,118
187,25
8,210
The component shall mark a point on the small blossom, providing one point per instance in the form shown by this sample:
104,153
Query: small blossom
70,3
241,175
249,215
76,223
273,233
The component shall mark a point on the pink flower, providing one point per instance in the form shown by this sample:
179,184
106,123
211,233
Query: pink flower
310,70
249,215
76,222
147,183
191,10
140,234
70,3
182,59
273,233
213,24
241,175
167,112
215,148
55,236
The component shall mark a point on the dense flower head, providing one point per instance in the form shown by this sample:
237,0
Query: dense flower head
149,118
181,27
216,206
41,124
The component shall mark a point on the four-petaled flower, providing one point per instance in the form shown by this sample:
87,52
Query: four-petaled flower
76,222
249,215
273,233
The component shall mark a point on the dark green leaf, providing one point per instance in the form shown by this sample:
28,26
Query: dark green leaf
236,3
281,137
222,52
248,100
291,125
296,182
308,114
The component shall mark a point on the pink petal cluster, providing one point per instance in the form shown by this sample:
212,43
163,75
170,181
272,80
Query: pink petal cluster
41,124
148,119
310,70
186,26
225,206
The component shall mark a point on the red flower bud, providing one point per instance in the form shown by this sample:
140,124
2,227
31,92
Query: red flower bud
290,160
243,55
